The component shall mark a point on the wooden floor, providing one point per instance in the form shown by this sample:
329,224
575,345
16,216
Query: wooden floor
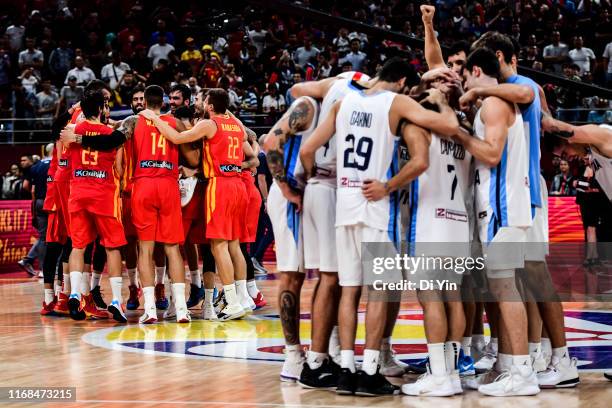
234,364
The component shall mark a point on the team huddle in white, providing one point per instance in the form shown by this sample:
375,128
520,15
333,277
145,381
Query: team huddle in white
358,160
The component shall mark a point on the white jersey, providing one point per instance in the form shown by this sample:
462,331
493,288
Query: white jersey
366,149
602,166
437,210
291,150
325,157
502,192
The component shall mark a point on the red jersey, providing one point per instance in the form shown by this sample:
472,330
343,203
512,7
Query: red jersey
153,155
49,204
64,169
95,183
128,166
223,155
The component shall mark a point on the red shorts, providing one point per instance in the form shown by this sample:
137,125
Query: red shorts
194,227
249,226
225,208
156,210
62,194
128,224
56,228
49,204
87,225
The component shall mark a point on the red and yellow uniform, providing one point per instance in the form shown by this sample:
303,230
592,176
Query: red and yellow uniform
194,225
94,203
225,194
156,200
58,228
253,204
128,182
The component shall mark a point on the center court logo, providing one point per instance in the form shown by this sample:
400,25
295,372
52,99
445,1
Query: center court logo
259,339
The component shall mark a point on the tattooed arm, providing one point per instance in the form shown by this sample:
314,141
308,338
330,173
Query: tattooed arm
299,117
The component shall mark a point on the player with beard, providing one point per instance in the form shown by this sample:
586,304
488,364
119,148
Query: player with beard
223,145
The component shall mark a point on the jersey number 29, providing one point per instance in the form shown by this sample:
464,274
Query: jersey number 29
358,155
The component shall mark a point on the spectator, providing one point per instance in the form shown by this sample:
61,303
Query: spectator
250,104
601,114
47,101
160,50
11,183
129,38
161,30
212,71
70,94
234,99
60,61
113,72
607,55
23,104
562,184
303,54
257,36
31,57
324,68
583,57
273,102
192,55
194,87
341,42
5,77
356,57
29,80
298,77
556,53
15,33
82,73
126,86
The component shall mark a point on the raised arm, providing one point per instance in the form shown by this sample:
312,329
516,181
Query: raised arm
519,94
444,123
324,131
433,52
494,115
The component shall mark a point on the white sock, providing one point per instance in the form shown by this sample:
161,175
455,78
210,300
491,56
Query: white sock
49,295
478,339
95,279
315,360
334,340
75,283
168,288
85,283
160,271
241,289
57,286
252,288
437,358
546,346
68,287
149,297
293,352
132,276
385,344
178,290
451,355
503,363
196,278
370,361
493,345
116,283
347,359
535,350
231,297
523,363
562,353
466,346
208,296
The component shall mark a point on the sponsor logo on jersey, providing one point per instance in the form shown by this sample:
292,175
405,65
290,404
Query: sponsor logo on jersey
156,164
452,215
62,162
230,168
49,179
361,119
345,182
98,174
450,148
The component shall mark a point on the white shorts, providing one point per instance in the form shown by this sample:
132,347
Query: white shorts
506,251
288,241
537,234
348,243
319,217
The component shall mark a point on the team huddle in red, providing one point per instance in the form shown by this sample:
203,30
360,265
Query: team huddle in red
118,183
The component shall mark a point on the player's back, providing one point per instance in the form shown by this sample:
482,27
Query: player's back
502,191
64,168
152,154
223,154
366,149
95,183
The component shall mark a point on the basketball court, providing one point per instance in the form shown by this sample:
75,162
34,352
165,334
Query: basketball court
167,364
